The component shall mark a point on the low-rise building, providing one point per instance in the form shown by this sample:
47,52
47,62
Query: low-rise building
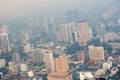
2,63
86,76
23,67
107,65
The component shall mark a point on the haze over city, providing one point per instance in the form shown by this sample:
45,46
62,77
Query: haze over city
59,40
10,9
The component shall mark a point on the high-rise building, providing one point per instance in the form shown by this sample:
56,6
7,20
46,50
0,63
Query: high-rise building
2,63
37,22
52,19
27,47
75,36
4,29
84,32
71,29
65,33
37,56
61,69
49,61
96,53
58,37
101,30
4,39
118,21
51,28
34,22
25,36
45,24
90,33
31,23
81,56
61,64
16,57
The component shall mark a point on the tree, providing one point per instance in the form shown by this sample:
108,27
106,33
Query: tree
74,48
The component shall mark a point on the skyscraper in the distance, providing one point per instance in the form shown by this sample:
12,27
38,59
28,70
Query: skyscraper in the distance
4,39
65,33
81,56
27,47
26,36
75,36
71,29
37,56
16,57
49,61
100,29
84,32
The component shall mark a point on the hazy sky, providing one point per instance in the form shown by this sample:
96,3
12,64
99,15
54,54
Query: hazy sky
17,8
20,7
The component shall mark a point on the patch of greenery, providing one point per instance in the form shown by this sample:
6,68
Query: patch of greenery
74,48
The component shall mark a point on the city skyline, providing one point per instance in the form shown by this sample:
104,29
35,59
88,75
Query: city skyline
12,9
59,40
